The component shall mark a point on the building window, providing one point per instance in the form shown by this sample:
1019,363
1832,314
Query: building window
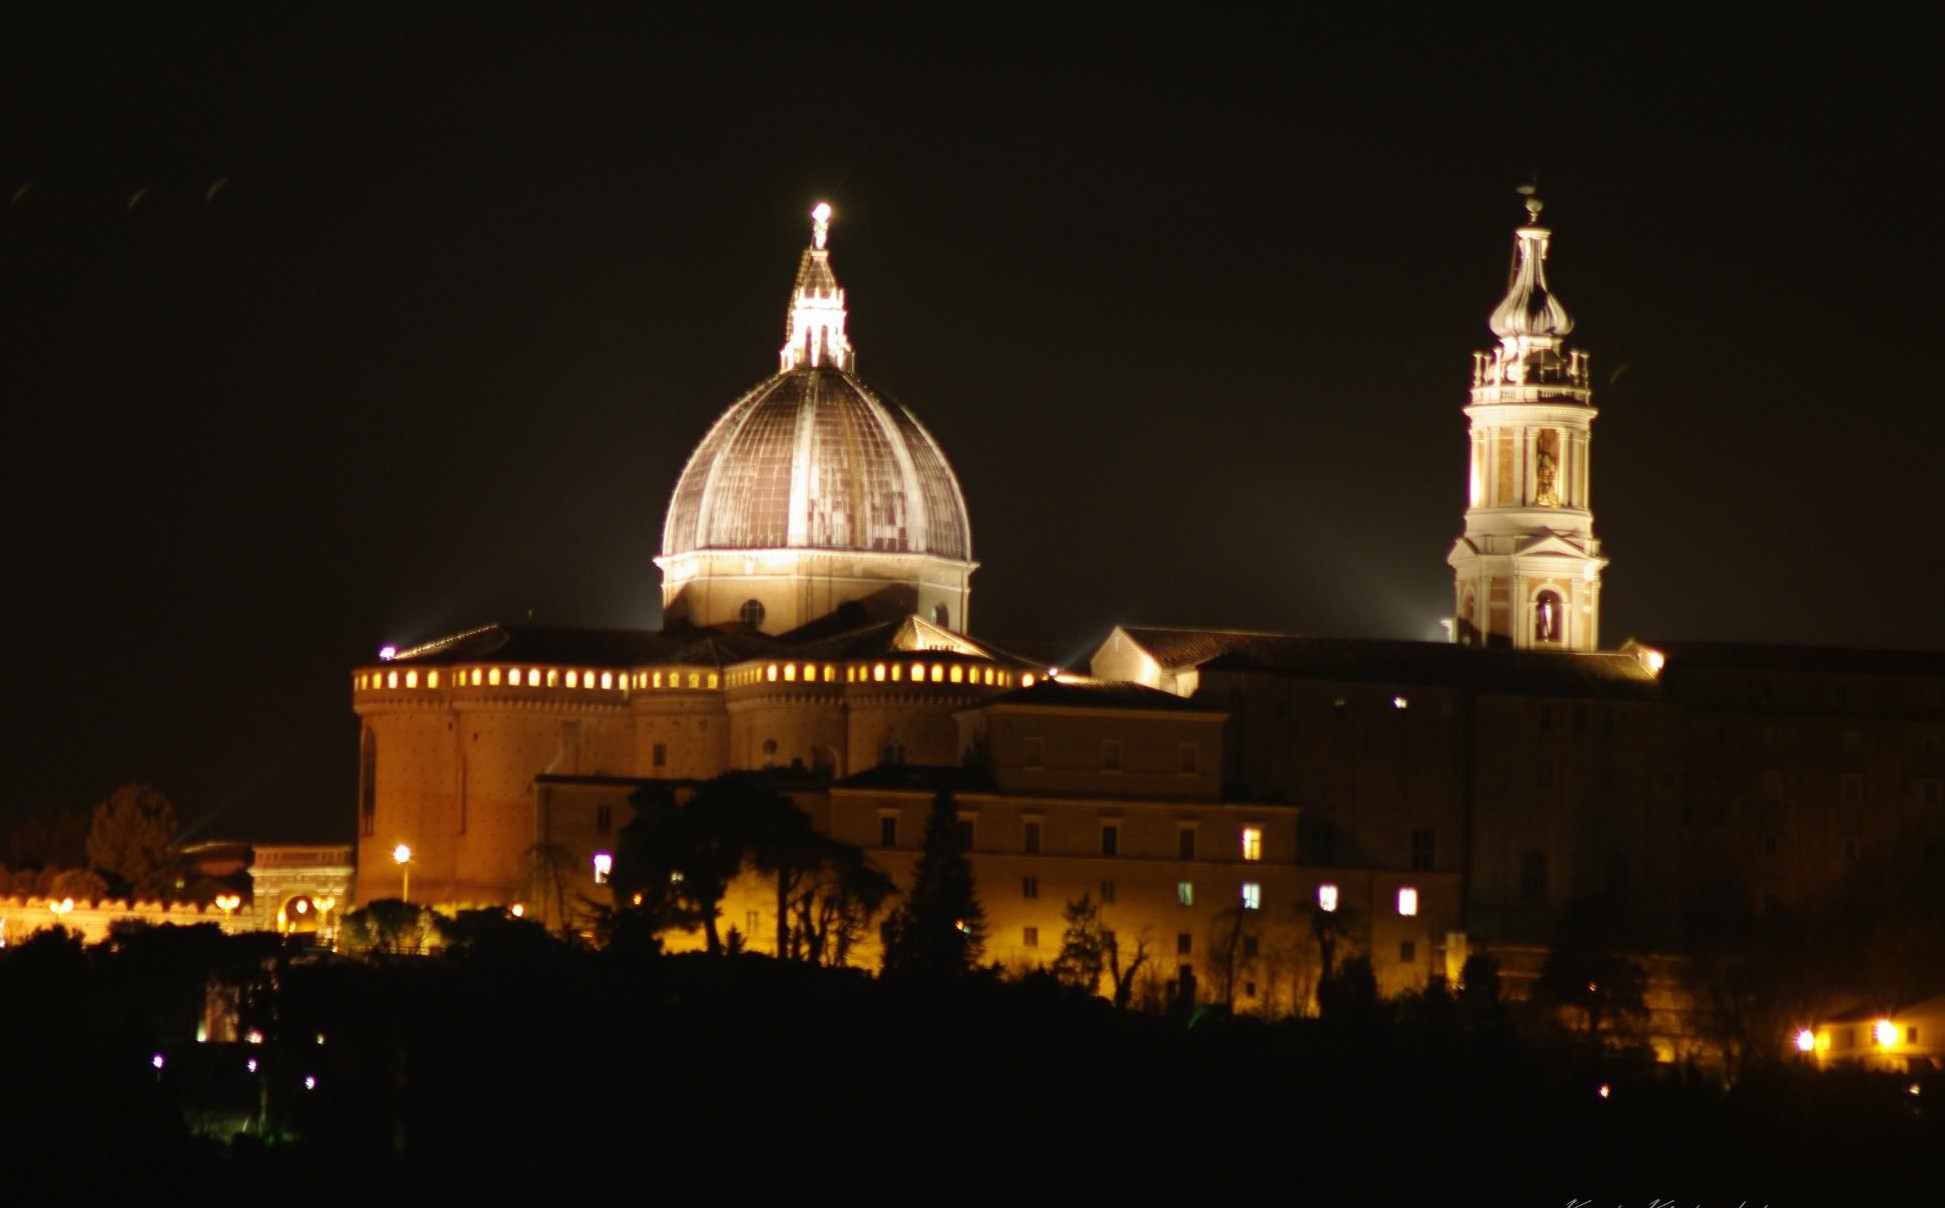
1111,755
752,613
965,834
368,782
1184,942
1533,876
1107,892
660,755
1029,887
604,863
1188,759
1030,837
1110,838
1185,892
1250,949
1252,895
888,831
1185,843
1252,843
1407,952
1422,850
1030,937
769,752
1327,898
1407,901
1036,756
941,616
604,818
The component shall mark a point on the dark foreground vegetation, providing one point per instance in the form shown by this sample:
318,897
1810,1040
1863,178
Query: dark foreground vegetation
515,1060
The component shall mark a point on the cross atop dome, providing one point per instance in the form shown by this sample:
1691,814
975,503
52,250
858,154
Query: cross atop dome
814,335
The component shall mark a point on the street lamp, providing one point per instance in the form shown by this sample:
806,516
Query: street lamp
403,855
324,906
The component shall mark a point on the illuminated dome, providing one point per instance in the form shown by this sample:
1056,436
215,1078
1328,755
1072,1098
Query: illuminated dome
812,491
812,459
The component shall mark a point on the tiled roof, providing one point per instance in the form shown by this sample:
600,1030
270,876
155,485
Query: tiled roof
1520,672
1742,656
1095,694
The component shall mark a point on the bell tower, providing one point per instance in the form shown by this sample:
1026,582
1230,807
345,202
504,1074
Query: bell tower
1527,570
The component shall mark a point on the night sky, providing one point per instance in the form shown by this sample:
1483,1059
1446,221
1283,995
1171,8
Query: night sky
321,336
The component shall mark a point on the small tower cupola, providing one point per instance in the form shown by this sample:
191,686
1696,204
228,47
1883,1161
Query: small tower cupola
1527,569
814,332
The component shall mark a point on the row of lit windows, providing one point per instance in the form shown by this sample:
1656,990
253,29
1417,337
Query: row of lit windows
879,673
1251,895
535,677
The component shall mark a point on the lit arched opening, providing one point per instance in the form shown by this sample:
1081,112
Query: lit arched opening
1549,619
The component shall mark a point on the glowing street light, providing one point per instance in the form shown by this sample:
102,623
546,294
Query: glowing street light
1885,1033
403,856
61,908
1806,1041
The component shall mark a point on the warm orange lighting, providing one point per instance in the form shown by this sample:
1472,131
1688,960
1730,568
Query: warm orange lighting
1885,1033
1806,1041
1327,898
1407,901
1606,1090
1026,679
1252,843
517,910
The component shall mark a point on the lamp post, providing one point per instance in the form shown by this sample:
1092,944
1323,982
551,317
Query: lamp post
403,855
324,906
227,903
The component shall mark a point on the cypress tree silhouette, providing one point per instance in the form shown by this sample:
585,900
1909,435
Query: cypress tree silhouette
940,931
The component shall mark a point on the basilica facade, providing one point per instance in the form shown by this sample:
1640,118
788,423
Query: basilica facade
1215,791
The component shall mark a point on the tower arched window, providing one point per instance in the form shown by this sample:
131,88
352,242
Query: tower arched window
752,613
769,752
1549,619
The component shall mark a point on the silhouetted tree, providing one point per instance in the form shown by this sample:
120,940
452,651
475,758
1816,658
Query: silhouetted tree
941,928
1588,971
53,841
674,862
1123,975
836,904
1481,1005
1350,993
81,884
389,927
1231,953
1083,946
132,839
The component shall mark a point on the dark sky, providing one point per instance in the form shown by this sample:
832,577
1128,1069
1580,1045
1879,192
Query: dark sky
1191,314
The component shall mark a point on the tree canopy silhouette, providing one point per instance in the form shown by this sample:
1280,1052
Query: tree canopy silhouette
941,928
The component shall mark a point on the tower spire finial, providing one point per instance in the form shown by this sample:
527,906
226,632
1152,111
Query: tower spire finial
820,224
1531,191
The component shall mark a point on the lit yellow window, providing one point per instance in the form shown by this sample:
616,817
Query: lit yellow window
656,679
360,681
712,679
411,679
493,676
607,679
514,677
479,677
790,671
553,678
1252,843
432,679
391,679
695,679
830,674
1026,679
587,679
1407,900
533,677
958,673
878,672
938,674
573,680
898,669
